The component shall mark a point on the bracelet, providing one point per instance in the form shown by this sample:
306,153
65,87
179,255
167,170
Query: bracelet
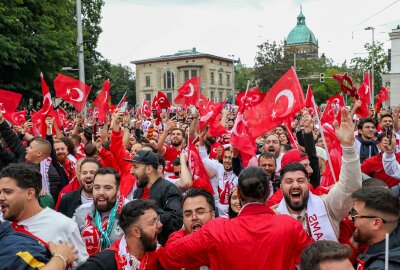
57,255
349,148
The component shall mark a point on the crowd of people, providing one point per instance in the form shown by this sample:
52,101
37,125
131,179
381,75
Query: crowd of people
123,195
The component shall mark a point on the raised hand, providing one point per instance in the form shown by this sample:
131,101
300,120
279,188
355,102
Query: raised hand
345,131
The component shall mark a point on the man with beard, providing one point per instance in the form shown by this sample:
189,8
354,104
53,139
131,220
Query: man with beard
20,185
272,144
135,250
375,214
171,152
167,196
365,144
98,221
267,162
72,200
321,215
224,179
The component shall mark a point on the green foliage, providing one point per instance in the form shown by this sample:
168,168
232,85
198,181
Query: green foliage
243,75
122,80
360,64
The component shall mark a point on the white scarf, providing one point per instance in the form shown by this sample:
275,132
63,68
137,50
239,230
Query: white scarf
318,219
132,262
44,170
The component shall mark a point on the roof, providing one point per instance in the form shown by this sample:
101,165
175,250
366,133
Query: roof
301,34
184,54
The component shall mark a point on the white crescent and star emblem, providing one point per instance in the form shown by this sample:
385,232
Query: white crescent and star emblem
160,100
47,97
191,90
289,94
207,116
80,93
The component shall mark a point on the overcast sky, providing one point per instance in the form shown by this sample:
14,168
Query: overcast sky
140,29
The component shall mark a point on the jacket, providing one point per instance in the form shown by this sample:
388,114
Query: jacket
309,145
16,246
70,202
169,206
374,257
256,239
373,167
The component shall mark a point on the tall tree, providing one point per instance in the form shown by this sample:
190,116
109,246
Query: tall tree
122,80
360,64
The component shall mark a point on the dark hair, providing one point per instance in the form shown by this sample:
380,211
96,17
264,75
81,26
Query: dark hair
379,199
293,167
161,161
231,213
364,121
253,185
87,133
90,160
108,170
373,182
195,192
267,155
380,137
26,175
323,250
77,138
149,145
90,149
183,133
386,115
177,162
287,147
132,211
70,145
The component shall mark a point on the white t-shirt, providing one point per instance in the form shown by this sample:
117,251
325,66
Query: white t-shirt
49,225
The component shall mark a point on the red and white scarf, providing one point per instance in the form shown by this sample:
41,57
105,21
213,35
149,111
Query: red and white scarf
318,220
91,234
44,170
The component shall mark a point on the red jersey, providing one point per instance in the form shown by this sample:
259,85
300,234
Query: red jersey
171,153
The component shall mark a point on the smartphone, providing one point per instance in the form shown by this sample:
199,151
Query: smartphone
389,131
154,113
172,114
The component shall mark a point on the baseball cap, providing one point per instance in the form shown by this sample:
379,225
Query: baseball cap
145,157
293,155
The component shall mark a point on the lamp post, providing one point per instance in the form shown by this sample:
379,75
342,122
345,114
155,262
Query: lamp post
233,77
373,61
79,41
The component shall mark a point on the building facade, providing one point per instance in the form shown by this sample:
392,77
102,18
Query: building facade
301,40
169,72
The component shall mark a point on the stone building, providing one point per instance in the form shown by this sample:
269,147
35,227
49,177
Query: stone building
301,40
169,72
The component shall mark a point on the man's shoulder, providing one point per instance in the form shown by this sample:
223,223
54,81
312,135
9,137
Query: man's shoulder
102,260
71,195
83,210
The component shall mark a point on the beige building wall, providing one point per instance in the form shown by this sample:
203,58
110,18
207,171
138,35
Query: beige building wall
150,77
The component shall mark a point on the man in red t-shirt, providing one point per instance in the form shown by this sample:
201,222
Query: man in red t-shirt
172,151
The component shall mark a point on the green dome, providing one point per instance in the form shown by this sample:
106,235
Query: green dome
301,34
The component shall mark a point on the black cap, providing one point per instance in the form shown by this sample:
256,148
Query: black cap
145,157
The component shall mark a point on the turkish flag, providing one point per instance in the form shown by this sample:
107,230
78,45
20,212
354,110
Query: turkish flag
284,99
250,98
332,109
46,94
9,102
335,153
18,118
160,101
203,101
61,117
101,101
310,101
146,110
211,114
38,123
346,85
364,92
72,91
189,92
382,97
199,173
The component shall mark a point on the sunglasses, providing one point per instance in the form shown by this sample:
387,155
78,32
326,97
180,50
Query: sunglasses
353,214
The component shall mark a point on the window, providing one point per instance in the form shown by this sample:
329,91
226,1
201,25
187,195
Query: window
147,81
169,80
169,97
220,96
220,78
193,73
148,97
212,78
228,79
186,75
212,95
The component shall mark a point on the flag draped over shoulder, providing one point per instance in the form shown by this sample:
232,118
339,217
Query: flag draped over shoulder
72,91
284,99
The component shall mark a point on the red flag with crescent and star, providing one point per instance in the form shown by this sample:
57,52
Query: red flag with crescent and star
284,99
332,109
250,99
382,97
18,118
209,116
9,102
71,90
364,92
189,93
101,101
160,101
146,110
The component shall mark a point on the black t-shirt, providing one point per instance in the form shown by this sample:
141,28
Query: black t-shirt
104,260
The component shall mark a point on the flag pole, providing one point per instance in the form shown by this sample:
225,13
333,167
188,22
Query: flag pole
387,251
121,100
321,129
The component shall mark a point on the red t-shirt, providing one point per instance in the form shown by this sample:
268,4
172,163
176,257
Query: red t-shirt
146,193
171,153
